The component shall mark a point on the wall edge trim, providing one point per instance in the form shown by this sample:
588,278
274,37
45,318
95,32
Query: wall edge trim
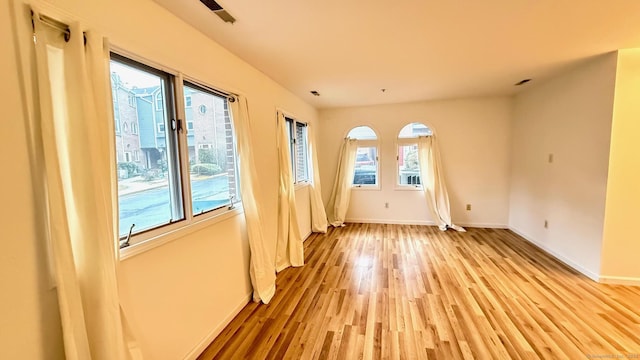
563,259
208,339
422,222
620,280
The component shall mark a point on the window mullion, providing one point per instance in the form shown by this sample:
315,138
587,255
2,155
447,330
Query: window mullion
173,158
183,152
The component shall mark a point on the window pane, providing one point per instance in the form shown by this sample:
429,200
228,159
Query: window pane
408,166
362,133
211,150
414,130
144,190
302,169
366,169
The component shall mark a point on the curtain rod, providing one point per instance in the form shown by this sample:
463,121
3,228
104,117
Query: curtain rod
53,23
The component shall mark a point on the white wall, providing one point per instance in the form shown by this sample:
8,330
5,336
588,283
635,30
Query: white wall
177,294
474,144
568,116
621,244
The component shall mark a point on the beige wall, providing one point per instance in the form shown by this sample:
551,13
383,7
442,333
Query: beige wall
568,116
474,144
621,245
177,294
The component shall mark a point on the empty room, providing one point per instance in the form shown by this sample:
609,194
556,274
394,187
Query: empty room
203,179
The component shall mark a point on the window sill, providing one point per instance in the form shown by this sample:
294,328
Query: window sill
366,187
407,188
176,233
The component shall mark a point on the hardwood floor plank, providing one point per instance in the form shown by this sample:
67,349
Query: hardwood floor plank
380,291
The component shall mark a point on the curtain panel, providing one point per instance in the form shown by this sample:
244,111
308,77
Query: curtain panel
318,214
261,268
341,193
433,185
67,89
289,247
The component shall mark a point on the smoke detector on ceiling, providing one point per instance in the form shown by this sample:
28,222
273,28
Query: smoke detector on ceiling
219,10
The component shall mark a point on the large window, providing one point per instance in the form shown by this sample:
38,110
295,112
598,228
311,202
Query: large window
408,165
299,150
366,167
152,189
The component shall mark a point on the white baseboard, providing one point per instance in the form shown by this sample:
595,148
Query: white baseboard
422,222
206,341
483,225
579,268
620,280
390,221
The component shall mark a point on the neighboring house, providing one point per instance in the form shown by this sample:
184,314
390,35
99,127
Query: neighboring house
126,123
141,133
152,127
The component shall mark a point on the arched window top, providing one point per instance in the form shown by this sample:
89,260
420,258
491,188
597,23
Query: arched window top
362,133
414,130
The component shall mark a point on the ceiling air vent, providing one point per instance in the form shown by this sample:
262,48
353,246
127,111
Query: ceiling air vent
218,10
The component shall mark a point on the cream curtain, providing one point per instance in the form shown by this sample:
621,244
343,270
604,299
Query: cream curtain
341,193
433,185
318,214
73,113
289,248
263,277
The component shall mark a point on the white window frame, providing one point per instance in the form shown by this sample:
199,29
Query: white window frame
174,107
293,138
404,141
134,128
367,143
161,128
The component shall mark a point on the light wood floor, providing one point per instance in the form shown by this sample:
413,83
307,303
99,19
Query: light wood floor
400,292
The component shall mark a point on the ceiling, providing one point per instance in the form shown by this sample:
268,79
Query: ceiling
415,49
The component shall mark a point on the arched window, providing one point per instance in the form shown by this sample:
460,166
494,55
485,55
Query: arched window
408,166
366,167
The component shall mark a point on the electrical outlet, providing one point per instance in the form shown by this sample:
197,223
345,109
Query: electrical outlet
468,207
546,224
386,205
